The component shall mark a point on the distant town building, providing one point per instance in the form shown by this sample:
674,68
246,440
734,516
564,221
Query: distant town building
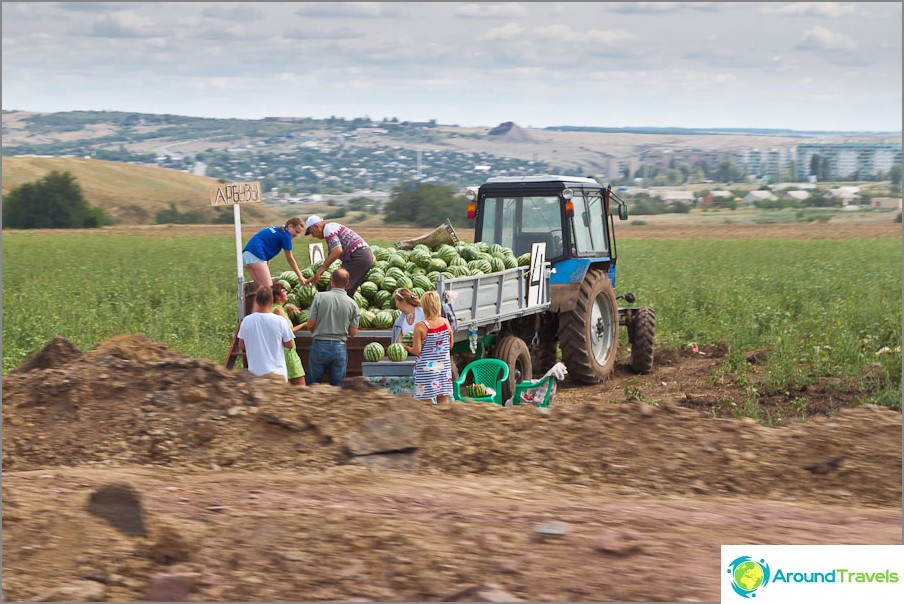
849,160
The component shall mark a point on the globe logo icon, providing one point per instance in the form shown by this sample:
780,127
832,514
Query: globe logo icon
748,575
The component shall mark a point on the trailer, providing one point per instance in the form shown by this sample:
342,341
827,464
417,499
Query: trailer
485,306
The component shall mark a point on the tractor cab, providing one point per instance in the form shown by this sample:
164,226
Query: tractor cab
569,214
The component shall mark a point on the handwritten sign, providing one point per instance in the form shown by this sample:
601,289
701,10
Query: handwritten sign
537,274
315,252
227,194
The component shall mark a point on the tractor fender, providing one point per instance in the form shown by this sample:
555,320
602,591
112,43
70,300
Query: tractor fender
565,282
571,271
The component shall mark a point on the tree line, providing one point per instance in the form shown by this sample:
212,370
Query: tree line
55,201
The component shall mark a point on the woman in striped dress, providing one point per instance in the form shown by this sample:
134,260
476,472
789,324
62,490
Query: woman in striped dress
432,345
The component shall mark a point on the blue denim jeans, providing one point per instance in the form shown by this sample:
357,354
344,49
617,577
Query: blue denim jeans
327,355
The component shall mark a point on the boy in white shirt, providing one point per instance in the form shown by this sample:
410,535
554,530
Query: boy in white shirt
263,335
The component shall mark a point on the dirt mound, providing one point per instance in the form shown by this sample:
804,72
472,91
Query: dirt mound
56,352
510,132
133,402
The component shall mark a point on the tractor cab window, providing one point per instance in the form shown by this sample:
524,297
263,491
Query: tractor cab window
517,222
589,226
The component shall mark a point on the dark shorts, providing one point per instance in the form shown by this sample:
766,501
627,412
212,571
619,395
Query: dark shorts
358,265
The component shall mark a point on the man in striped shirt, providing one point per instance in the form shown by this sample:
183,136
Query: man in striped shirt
344,245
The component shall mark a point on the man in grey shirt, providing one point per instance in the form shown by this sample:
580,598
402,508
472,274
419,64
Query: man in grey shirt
332,319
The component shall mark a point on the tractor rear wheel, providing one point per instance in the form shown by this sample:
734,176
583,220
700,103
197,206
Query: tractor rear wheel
513,351
588,335
643,338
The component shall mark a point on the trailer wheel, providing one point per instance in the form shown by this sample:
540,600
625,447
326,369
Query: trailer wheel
643,338
513,351
588,335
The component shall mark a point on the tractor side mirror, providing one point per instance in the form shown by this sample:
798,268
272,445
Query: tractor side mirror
622,212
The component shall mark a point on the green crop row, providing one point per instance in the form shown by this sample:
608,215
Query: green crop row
816,309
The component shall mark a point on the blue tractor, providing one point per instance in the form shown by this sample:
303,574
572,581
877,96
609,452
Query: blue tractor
572,216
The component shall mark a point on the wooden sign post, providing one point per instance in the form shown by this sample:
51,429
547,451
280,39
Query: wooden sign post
235,194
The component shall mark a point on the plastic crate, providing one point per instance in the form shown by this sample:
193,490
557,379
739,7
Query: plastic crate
388,369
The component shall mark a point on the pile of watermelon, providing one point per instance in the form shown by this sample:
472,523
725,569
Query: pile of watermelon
417,269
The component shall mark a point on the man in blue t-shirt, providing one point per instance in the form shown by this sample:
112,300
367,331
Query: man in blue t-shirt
267,243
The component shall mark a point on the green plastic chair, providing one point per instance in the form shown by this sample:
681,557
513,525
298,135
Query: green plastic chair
525,386
489,372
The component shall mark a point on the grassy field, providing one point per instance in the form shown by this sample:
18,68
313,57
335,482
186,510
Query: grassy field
819,308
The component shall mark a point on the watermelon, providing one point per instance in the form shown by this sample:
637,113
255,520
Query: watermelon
368,289
497,265
373,352
422,282
395,272
380,253
291,277
305,295
381,298
366,320
397,260
524,259
375,276
383,320
389,285
404,281
396,352
360,300
475,390
285,285
323,283
408,338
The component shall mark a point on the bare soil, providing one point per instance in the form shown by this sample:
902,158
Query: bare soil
132,472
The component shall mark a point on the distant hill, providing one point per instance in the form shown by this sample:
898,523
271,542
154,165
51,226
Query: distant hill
510,132
130,194
718,131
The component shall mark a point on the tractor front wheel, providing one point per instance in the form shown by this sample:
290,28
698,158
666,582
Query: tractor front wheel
588,335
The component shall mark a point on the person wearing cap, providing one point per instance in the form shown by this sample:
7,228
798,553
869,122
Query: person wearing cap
344,245
412,313
266,244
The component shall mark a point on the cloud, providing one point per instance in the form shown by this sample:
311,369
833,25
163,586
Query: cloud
819,38
346,10
812,9
660,7
235,12
509,31
123,25
96,7
595,36
491,11
344,33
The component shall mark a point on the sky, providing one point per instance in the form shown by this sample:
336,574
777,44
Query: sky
800,65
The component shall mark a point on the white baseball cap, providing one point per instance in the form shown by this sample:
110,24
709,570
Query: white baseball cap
311,221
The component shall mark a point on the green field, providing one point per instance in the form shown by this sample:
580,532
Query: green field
817,308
